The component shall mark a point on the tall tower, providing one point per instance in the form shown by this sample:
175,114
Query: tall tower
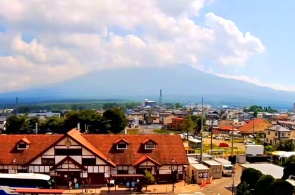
160,99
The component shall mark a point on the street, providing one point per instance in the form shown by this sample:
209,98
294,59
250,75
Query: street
222,186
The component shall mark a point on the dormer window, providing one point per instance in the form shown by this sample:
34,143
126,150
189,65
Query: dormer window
122,146
150,146
22,146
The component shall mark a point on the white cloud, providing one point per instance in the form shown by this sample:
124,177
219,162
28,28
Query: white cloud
257,82
70,38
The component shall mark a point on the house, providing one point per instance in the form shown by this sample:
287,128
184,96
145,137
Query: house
168,119
257,125
275,134
287,124
176,123
93,158
224,130
43,115
180,113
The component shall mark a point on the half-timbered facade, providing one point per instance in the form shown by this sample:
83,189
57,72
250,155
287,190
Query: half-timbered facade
92,158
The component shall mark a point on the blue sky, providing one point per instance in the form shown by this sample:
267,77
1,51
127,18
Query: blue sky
272,23
49,41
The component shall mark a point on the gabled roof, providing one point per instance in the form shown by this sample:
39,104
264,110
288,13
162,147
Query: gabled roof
121,140
278,128
69,159
25,140
249,126
38,145
144,158
148,140
163,153
77,136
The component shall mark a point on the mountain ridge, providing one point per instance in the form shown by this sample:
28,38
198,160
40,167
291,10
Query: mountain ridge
178,83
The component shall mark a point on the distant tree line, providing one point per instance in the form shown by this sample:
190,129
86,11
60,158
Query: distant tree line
255,109
112,121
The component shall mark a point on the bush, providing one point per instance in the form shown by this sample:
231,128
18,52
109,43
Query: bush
281,187
264,184
149,177
251,176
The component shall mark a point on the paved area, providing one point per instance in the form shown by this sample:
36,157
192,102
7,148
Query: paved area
218,187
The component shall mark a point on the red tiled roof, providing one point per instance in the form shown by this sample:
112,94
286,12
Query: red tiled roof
77,136
121,140
38,144
163,152
179,119
249,124
144,158
226,128
148,140
26,140
100,145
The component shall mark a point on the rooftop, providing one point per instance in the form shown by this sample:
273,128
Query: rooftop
267,169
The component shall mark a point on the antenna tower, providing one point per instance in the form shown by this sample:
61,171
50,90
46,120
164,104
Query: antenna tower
160,99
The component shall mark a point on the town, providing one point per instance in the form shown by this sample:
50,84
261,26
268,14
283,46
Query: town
150,148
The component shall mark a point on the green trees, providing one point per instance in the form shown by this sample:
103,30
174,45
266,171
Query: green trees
116,119
254,183
188,125
287,145
289,167
264,185
282,187
113,121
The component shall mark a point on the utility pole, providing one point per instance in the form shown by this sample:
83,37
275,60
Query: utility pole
232,141
201,152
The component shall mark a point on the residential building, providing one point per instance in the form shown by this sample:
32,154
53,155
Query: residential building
275,134
257,125
176,123
168,119
93,158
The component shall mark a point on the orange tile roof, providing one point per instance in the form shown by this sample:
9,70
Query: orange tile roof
100,145
38,144
148,140
163,152
77,136
144,158
249,125
26,140
120,140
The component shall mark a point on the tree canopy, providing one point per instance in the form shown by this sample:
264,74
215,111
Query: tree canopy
263,185
113,121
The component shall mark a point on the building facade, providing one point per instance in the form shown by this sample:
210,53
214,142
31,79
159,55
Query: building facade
93,158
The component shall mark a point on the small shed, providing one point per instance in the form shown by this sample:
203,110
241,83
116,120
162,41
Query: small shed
198,172
215,168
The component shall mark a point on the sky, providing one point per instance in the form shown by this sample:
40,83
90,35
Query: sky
48,41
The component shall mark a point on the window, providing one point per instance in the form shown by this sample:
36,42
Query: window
22,146
276,134
150,146
48,161
268,133
88,161
121,146
122,172
68,152
283,134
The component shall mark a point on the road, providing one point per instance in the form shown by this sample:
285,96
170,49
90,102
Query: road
222,186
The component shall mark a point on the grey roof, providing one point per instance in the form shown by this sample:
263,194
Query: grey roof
267,169
211,162
278,128
200,166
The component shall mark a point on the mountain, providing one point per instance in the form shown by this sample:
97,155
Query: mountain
181,84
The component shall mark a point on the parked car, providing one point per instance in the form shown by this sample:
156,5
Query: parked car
219,138
249,142
223,145
227,138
